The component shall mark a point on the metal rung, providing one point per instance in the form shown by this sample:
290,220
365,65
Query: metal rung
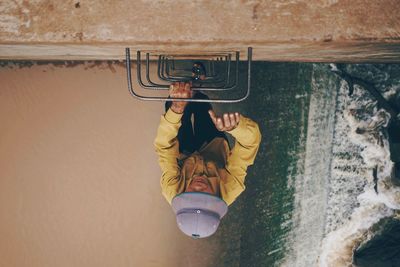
197,85
163,75
167,75
154,86
208,79
211,67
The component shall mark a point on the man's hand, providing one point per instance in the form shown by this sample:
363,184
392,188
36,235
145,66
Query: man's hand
179,90
227,122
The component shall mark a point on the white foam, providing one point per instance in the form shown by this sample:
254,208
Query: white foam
340,243
338,246
335,198
391,91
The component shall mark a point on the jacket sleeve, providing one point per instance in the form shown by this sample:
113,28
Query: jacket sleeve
167,148
247,141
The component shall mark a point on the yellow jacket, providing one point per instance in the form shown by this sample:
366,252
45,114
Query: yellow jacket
225,167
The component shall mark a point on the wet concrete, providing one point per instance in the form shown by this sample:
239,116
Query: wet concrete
255,230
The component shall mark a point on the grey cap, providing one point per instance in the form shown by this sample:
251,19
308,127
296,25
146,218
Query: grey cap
198,214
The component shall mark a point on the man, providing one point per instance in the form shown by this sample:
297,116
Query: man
201,176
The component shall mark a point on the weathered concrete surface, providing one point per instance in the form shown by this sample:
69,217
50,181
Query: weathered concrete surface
317,30
289,51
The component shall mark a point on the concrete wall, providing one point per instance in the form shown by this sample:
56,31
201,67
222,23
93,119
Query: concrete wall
299,30
79,179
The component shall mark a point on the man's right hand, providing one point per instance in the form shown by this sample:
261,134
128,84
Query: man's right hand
227,122
179,90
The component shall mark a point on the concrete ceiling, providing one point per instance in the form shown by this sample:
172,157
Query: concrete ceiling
299,30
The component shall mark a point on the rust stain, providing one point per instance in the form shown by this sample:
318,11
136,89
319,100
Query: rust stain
255,11
111,67
79,35
25,18
328,38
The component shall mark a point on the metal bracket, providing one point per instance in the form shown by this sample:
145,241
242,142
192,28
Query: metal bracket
167,72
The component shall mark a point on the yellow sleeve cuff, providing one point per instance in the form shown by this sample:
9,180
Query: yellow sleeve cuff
240,127
173,117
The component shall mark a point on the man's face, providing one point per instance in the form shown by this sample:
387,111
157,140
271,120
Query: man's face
201,183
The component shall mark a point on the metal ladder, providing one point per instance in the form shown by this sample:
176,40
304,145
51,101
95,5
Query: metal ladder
203,74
